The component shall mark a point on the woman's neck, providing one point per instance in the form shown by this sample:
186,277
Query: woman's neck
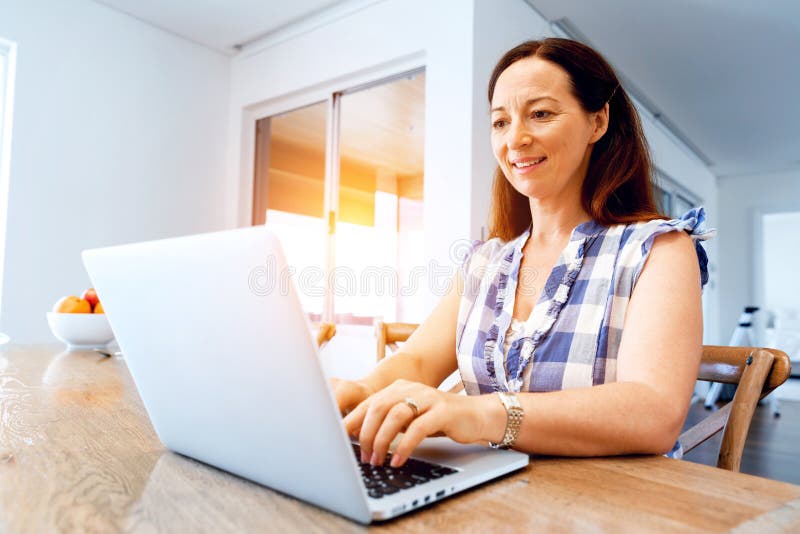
552,223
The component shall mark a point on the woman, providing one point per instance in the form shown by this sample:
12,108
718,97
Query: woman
577,326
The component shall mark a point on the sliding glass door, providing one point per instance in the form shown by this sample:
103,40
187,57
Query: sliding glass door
341,183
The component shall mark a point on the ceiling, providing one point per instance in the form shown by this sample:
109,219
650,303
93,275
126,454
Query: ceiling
722,73
220,24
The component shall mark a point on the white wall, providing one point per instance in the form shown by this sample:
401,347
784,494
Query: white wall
119,135
743,200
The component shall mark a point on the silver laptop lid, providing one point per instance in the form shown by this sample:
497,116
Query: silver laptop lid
225,362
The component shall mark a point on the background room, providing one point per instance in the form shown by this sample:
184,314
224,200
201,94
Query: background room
358,130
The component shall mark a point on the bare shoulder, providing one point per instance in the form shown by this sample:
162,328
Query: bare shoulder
671,264
672,249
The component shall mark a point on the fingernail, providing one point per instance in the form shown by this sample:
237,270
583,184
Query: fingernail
374,459
397,460
364,457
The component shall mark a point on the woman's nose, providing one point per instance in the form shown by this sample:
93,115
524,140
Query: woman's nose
518,137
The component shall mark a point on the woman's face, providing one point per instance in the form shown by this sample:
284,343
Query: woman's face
541,136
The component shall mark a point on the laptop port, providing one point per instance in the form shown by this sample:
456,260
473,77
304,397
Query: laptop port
414,502
440,494
427,498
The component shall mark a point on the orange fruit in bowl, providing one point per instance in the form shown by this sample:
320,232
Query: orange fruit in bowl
72,304
98,308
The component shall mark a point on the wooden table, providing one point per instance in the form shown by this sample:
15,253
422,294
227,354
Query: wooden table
78,453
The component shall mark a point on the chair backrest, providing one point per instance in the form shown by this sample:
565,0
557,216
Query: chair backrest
757,371
325,331
389,334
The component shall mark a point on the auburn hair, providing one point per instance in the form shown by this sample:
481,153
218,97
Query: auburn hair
617,187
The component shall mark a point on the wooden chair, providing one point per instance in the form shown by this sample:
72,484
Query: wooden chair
325,331
390,334
757,372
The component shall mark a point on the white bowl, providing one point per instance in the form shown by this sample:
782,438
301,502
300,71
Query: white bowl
81,330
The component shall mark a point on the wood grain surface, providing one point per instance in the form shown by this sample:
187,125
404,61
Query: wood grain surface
78,454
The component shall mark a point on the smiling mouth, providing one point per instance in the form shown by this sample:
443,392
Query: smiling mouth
528,163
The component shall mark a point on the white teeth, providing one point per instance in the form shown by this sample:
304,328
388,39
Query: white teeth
523,164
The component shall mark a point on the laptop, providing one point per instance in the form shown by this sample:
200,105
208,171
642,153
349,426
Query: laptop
228,370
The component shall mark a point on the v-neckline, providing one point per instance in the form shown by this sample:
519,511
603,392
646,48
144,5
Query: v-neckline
540,320
553,280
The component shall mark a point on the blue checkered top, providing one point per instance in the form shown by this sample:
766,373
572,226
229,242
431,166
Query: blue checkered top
573,334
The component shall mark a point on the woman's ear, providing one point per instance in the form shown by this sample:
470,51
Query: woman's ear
600,122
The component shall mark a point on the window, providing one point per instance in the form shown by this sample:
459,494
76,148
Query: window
341,184
673,199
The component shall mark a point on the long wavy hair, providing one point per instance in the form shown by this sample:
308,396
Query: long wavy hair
617,187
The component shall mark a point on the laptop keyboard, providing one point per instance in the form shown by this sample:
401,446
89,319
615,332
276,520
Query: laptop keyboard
383,479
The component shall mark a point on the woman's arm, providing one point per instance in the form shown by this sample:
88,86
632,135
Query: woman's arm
642,412
657,363
427,357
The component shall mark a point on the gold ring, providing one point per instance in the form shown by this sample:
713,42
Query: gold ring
413,405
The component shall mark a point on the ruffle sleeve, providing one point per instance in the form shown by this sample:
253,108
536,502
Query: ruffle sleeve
693,223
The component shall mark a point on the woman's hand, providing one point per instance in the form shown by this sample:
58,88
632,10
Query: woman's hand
378,419
349,393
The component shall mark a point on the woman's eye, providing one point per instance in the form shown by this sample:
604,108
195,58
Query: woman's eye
539,114
499,123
